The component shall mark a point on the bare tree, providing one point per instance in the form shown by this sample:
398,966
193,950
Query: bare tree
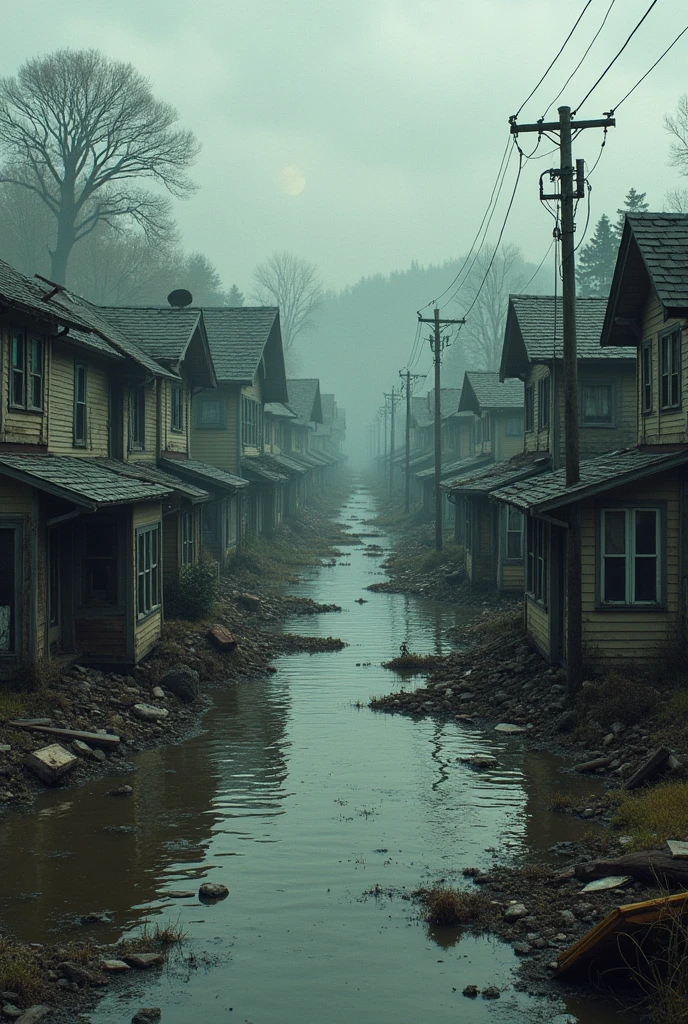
483,335
292,284
81,132
676,200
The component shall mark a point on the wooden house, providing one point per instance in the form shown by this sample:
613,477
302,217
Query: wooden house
457,445
631,501
305,401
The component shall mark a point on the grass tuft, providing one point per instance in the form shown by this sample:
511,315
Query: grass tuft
453,907
413,663
654,815
620,698
20,971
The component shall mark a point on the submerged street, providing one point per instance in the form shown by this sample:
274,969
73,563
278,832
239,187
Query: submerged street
301,799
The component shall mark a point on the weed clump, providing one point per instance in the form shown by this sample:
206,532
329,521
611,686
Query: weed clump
620,698
413,663
453,908
193,595
654,815
20,971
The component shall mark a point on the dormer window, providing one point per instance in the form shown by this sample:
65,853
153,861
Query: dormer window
670,369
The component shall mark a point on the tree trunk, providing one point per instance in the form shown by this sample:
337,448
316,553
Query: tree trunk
66,232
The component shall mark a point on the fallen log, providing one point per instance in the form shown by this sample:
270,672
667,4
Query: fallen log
645,866
655,763
592,766
96,739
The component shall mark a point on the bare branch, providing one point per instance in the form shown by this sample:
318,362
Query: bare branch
292,284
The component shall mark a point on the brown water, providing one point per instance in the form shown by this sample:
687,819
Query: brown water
300,798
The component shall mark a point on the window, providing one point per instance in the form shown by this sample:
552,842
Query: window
99,565
26,371
537,563
543,403
597,403
211,412
487,427
514,426
187,538
251,423
79,405
670,370
529,407
177,414
137,419
10,575
646,383
147,569
514,533
630,544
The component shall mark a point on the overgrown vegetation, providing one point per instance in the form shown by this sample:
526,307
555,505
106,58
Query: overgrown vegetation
620,697
413,664
454,908
654,815
193,595
20,971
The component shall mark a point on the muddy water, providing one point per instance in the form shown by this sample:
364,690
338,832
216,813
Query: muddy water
300,799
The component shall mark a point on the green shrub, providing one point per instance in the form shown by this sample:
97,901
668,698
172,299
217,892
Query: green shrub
193,595
654,815
620,698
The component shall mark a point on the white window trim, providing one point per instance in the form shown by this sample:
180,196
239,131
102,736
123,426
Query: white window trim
630,556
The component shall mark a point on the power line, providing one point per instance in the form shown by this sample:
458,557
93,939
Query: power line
614,59
671,45
589,48
540,266
556,58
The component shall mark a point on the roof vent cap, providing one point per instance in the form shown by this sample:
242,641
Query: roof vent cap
180,298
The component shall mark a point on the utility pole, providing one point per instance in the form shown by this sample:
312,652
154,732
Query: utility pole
436,346
393,399
567,194
408,377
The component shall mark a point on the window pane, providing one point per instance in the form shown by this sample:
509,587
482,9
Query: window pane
645,579
615,579
597,403
646,533
614,533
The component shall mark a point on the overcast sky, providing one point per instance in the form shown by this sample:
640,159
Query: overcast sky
362,134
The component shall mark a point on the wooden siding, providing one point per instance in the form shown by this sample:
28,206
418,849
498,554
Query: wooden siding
16,503
61,392
631,635
147,630
149,452
661,426
512,577
218,446
537,626
505,447
537,440
101,638
174,440
170,546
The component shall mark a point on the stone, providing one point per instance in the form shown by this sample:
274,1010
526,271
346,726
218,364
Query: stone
34,1014
522,948
509,728
481,761
471,991
223,640
177,894
50,763
9,997
11,1011
608,739
144,960
121,791
251,602
98,755
147,1015
491,992
514,912
158,693
81,975
182,681
149,712
567,916
115,966
81,748
213,891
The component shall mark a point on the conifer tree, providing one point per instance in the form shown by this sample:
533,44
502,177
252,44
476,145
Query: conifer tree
597,259
633,203
234,297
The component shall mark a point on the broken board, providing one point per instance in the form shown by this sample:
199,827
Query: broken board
96,739
50,763
677,848
608,882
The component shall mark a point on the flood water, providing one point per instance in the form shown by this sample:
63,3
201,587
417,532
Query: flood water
300,798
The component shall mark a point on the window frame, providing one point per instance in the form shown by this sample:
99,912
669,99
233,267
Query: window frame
177,408
187,540
80,441
544,389
529,409
537,561
597,382
87,598
208,402
148,577
251,423
22,396
646,377
629,508
509,425
468,520
31,374
665,339
510,530
137,418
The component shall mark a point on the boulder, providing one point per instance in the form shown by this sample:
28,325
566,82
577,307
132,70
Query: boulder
149,712
182,681
251,602
210,892
144,960
514,912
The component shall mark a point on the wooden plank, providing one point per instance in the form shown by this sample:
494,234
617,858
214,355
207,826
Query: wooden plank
654,764
95,739
221,638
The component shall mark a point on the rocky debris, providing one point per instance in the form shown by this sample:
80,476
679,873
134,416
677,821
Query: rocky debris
34,1014
491,992
115,966
250,602
144,960
121,791
221,638
471,991
157,693
50,763
212,892
514,912
182,681
10,1011
81,975
147,1015
149,712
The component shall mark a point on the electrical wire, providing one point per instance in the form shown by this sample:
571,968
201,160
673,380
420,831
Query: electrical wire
614,59
671,45
553,62
578,65
540,265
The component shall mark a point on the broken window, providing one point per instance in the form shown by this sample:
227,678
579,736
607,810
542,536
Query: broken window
630,544
597,403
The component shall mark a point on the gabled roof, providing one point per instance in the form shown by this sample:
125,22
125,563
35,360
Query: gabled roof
32,297
449,402
521,467
458,467
420,414
304,400
549,491
328,408
653,254
204,474
80,480
168,335
241,338
278,410
532,322
482,391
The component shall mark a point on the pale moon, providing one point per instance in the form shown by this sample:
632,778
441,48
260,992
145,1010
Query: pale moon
292,181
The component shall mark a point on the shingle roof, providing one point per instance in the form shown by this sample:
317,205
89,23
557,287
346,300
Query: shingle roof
81,480
596,475
161,331
237,336
449,402
29,295
482,390
520,467
262,470
287,463
663,242
328,407
420,412
458,467
277,409
207,474
155,475
530,326
304,399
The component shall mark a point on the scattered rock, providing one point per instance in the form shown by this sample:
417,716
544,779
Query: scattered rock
211,892
567,916
121,791
115,966
81,748
251,602
514,912
158,693
491,992
34,1014
149,712
11,1011
183,682
147,1015
509,728
144,960
471,991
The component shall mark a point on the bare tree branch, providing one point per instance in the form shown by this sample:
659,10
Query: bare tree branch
293,284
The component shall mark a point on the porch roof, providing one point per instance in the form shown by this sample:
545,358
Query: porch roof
155,475
520,467
549,491
80,480
287,463
262,471
458,466
279,410
204,474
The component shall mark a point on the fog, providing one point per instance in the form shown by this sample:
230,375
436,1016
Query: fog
365,137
